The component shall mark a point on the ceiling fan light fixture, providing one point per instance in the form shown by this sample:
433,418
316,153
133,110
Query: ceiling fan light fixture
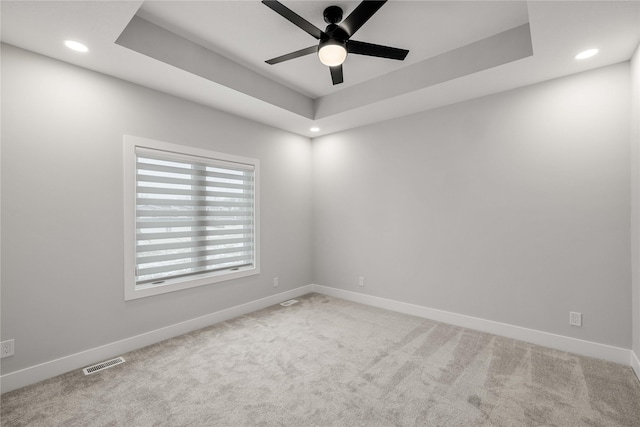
332,52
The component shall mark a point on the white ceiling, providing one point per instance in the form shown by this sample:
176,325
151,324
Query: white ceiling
213,52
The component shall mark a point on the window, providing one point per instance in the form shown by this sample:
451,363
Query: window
190,217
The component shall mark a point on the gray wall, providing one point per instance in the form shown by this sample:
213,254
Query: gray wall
62,206
514,207
635,196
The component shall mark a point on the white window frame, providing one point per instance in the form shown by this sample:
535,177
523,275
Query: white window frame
131,289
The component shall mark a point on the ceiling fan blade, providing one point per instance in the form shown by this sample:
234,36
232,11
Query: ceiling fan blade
336,74
360,15
293,55
370,49
294,18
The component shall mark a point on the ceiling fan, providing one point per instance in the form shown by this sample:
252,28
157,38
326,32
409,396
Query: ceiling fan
335,40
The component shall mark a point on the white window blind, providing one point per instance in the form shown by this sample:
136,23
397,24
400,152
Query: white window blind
193,216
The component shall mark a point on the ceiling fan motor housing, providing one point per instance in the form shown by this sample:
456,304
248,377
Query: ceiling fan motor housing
334,32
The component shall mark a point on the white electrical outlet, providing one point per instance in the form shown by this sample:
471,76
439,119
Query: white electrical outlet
6,348
275,282
575,318
361,281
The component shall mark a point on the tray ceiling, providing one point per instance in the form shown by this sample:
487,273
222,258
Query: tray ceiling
213,52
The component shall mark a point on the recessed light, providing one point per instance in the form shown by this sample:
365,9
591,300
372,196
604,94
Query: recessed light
587,54
315,129
77,46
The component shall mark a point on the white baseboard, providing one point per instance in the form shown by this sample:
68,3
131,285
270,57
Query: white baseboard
558,342
635,364
34,374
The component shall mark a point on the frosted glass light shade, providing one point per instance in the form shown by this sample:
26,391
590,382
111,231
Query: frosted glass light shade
331,54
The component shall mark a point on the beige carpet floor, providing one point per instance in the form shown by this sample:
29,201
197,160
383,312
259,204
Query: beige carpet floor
330,362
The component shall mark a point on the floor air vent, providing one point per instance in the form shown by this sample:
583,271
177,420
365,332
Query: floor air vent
288,303
102,366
